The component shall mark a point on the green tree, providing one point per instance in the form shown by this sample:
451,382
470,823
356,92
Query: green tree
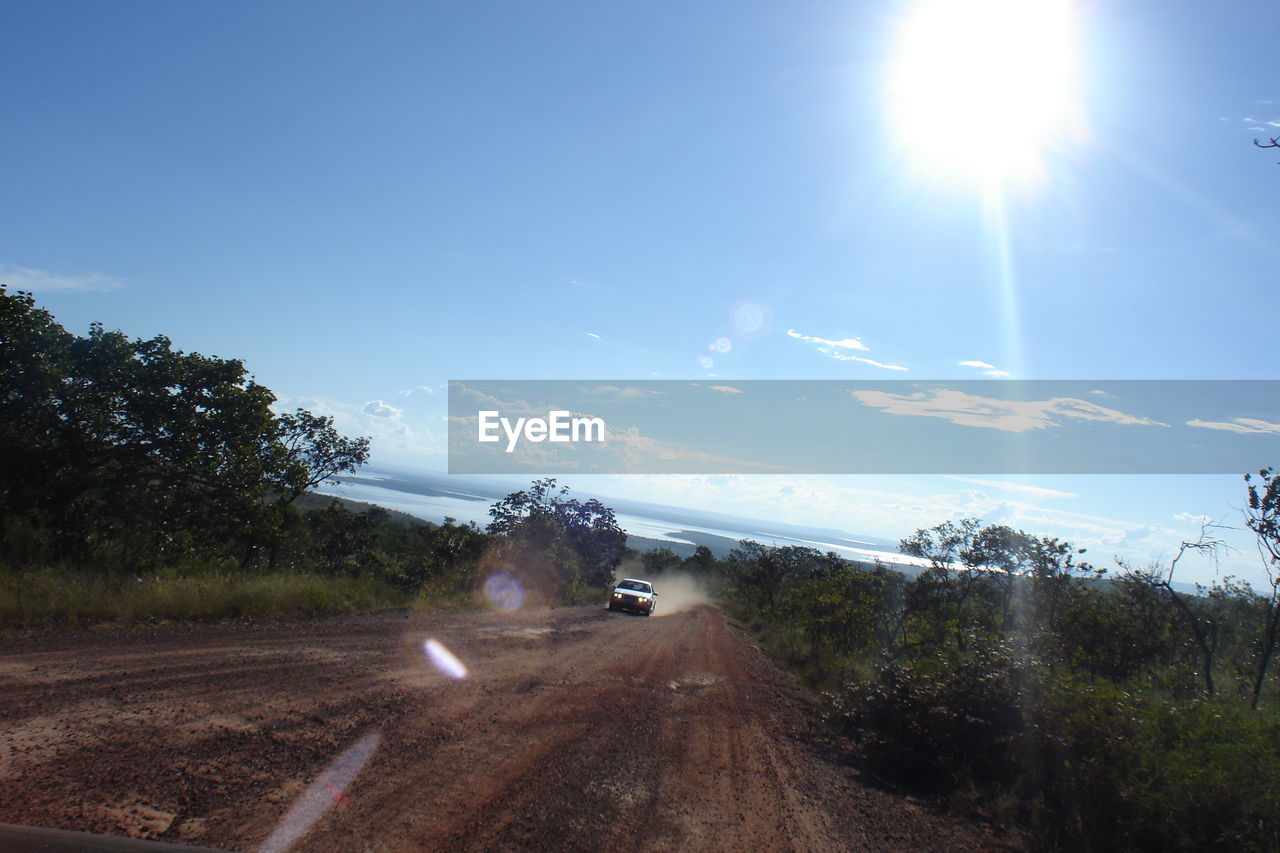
581,540
34,359
342,540
760,574
1262,515
946,593
131,452
445,556
308,451
659,560
702,560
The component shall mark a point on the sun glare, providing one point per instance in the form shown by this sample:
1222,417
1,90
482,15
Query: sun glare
981,91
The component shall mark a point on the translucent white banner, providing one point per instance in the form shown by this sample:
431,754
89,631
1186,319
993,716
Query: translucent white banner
871,427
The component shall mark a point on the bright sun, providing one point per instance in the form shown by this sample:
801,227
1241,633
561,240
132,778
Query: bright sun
980,91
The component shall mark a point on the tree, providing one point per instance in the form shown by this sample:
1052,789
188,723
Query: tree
1198,622
446,556
659,560
1273,142
127,452
985,583
1001,552
562,531
947,589
306,452
309,451
34,355
942,544
342,540
761,573
702,561
1262,516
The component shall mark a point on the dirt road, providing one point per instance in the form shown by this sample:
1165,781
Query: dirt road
573,729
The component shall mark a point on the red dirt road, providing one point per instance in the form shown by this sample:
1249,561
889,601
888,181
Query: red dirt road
575,729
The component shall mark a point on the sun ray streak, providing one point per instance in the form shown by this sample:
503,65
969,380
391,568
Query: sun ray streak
328,789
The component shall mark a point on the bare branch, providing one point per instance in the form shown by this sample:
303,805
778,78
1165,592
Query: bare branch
1206,544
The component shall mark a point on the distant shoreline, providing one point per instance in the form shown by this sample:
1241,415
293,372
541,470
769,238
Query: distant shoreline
435,497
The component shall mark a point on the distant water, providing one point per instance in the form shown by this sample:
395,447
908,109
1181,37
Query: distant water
435,498
433,507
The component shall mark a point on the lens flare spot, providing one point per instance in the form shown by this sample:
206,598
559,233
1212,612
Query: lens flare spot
722,345
751,318
329,788
444,660
706,362
504,592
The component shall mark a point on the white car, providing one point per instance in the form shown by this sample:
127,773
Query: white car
635,595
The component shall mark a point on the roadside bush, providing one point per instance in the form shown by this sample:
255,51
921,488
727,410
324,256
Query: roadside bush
1089,764
934,723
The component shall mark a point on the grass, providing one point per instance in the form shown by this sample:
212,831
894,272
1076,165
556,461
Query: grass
447,599
48,599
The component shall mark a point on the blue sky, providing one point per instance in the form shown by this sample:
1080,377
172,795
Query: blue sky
364,201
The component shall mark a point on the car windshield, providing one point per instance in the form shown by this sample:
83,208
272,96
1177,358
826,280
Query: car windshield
638,586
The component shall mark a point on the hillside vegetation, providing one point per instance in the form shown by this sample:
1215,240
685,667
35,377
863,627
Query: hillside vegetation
142,482
1024,687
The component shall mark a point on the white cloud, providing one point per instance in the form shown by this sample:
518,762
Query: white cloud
616,393
379,409
725,389
509,407
635,450
1193,518
593,335
987,369
1007,415
1243,426
839,356
1038,491
847,343
388,432
1132,536
835,349
43,281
